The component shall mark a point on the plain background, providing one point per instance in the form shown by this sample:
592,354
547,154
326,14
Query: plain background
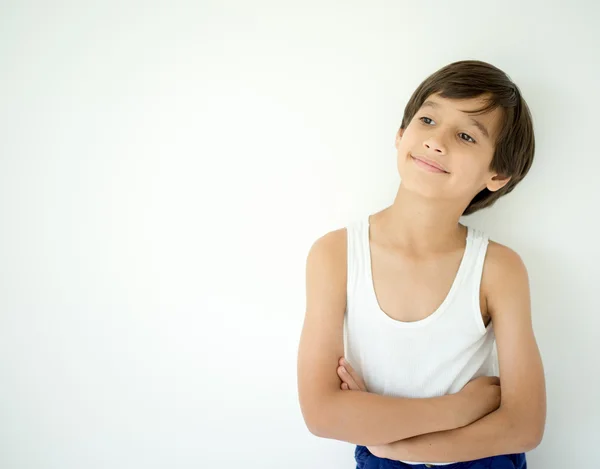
164,169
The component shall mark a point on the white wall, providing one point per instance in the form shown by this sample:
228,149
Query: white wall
164,170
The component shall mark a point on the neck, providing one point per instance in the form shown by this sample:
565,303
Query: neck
423,224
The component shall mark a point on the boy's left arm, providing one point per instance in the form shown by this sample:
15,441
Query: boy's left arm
518,424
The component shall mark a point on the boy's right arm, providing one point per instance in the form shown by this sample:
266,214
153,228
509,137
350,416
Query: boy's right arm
360,417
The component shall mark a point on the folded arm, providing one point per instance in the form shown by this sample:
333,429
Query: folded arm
355,417
518,424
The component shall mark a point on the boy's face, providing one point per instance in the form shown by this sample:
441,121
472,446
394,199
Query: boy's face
443,135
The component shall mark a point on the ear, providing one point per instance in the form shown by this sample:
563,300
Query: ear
399,136
496,182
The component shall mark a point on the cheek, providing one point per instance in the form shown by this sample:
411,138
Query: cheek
468,170
402,163
471,176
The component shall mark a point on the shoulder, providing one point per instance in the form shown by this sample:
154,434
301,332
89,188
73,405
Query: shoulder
503,261
327,255
330,246
504,276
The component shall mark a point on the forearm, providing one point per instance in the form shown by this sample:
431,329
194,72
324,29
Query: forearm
370,419
496,433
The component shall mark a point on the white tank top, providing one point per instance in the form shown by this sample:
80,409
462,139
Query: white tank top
431,357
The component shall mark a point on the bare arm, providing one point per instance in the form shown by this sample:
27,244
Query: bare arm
518,425
355,417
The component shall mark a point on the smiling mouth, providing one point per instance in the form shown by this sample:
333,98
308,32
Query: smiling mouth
428,166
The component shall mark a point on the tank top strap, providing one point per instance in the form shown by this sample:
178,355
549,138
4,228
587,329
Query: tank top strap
476,250
471,286
356,254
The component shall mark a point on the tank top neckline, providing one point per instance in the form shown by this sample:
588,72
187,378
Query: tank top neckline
440,309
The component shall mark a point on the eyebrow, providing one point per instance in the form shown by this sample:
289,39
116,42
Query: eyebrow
475,122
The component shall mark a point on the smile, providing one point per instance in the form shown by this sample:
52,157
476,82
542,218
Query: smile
428,165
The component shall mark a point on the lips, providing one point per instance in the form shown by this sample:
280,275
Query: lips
432,164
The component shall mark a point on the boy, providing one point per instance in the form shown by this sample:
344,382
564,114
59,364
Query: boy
408,303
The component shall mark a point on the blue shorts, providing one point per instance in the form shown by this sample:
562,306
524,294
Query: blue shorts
366,460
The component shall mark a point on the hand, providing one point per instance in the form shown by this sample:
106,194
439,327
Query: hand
481,397
351,381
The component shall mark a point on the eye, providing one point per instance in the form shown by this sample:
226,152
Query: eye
468,137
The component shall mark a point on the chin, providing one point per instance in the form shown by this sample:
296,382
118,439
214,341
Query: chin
422,188
420,182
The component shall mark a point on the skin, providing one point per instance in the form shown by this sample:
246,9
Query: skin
422,223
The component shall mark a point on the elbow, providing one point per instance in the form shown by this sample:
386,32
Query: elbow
314,424
310,421
317,429
521,432
317,418
528,433
532,438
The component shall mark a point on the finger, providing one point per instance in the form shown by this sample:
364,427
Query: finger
355,376
347,378
344,375
348,367
343,362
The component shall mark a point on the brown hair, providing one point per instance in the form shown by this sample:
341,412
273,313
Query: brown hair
515,144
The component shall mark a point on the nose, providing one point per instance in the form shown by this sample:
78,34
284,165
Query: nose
434,143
